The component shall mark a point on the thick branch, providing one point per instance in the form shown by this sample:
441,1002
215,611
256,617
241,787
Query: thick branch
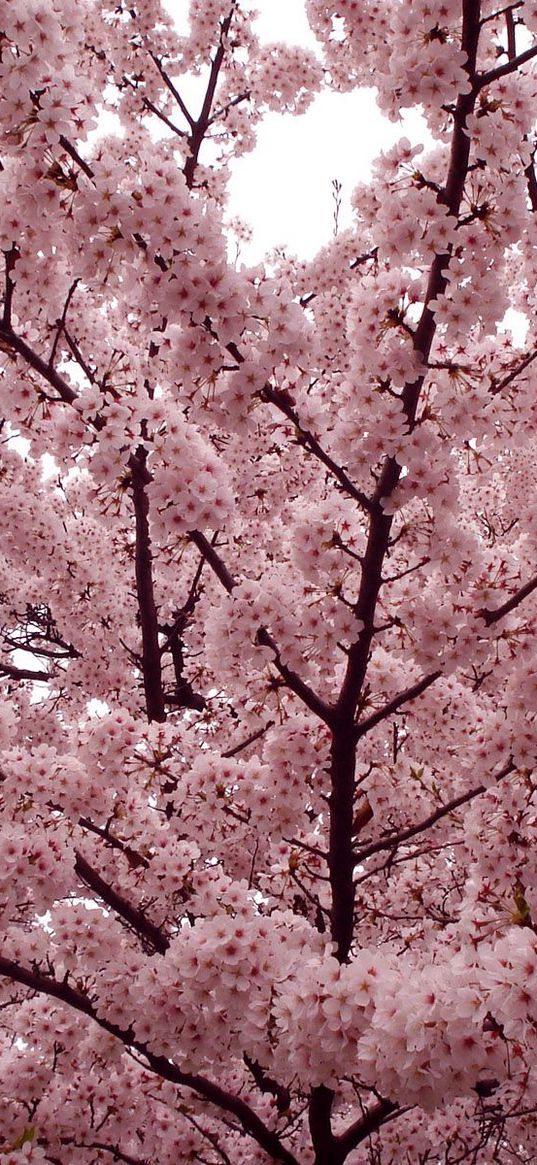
74,154
341,858
503,70
340,852
133,856
322,1137
380,522
23,673
11,257
511,34
151,657
14,343
266,1083
213,558
532,184
365,1125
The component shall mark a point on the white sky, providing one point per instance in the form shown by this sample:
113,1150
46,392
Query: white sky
284,188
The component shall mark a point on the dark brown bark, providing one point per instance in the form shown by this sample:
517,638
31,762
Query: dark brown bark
151,935
392,840
16,344
340,848
200,127
322,1137
341,862
494,616
151,657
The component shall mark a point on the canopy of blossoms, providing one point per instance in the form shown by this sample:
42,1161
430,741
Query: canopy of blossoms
268,599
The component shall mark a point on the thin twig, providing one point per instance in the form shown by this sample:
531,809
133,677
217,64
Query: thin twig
61,322
175,92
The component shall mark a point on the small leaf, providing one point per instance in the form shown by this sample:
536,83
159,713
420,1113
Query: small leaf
25,1138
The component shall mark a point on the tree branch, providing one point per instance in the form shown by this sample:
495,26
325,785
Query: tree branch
117,1153
395,839
320,1123
250,1122
249,740
532,184
16,344
498,386
307,439
76,157
510,66
213,558
175,92
10,257
200,127
511,34
293,681
341,858
491,617
61,322
501,12
133,857
365,1125
151,657
133,915
266,1083
290,678
403,698
181,133
23,673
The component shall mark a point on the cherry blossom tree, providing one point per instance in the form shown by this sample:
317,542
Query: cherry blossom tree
268,876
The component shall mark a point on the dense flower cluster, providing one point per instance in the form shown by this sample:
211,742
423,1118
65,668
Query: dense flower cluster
268,731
